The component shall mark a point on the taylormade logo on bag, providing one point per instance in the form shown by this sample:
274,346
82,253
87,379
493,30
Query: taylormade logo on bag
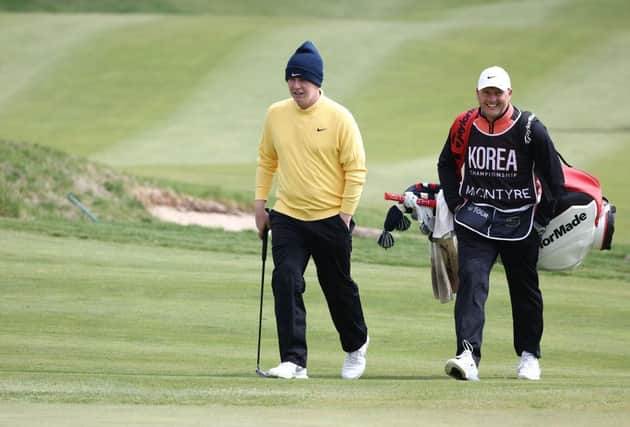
563,229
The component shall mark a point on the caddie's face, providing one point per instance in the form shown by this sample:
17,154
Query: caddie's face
493,102
303,92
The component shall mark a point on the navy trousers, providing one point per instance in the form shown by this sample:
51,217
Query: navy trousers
477,256
329,243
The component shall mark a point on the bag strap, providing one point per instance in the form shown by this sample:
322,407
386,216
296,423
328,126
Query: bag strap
562,158
459,134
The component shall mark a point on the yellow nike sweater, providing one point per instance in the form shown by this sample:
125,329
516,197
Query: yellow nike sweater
318,156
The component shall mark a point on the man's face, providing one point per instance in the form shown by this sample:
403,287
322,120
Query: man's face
303,92
493,101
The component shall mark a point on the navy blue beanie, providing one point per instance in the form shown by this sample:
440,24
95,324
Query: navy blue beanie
307,64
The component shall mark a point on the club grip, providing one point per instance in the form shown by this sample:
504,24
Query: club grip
400,199
265,239
394,197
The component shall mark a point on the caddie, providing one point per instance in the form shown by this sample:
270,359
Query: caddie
500,175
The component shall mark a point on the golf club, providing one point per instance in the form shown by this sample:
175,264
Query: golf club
259,372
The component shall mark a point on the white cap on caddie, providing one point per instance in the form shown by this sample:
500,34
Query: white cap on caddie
494,77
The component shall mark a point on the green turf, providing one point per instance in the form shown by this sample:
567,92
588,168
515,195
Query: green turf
90,321
355,9
183,96
138,323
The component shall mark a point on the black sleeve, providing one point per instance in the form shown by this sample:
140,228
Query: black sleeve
548,169
447,171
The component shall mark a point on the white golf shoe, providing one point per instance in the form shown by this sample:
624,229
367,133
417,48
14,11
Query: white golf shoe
529,368
354,362
288,370
463,367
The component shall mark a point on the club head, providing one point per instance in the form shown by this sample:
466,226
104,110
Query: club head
261,373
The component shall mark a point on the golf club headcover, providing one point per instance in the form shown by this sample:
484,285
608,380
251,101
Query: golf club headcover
385,240
395,220
404,224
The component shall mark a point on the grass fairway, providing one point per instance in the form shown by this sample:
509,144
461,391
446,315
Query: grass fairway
149,324
178,90
131,333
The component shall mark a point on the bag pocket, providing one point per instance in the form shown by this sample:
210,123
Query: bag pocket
475,217
512,225
494,223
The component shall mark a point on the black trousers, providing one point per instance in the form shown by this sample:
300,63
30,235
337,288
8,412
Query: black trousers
329,243
477,256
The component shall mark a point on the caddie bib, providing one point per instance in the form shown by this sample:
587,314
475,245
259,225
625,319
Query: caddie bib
498,180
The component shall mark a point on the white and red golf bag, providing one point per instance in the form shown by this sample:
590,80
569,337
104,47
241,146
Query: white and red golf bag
583,220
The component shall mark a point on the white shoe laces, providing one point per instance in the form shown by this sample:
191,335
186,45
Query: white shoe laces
467,347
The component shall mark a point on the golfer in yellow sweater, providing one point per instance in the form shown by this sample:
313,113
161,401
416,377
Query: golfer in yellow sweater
314,147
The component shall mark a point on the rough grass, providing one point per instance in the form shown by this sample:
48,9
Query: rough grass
41,182
35,182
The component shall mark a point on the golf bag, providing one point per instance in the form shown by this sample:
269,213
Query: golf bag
583,219
425,204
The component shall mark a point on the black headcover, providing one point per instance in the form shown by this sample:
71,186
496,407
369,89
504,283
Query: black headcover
385,240
396,220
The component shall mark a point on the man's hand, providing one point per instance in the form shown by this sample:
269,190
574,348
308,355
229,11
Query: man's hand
262,218
346,219
540,229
